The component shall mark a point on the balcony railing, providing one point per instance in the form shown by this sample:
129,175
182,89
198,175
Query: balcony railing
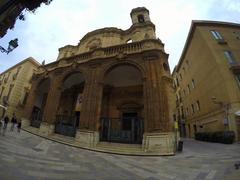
114,50
126,48
235,67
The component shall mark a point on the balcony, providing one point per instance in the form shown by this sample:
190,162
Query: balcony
121,49
235,67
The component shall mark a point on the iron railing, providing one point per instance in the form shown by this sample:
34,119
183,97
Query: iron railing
36,119
112,133
65,125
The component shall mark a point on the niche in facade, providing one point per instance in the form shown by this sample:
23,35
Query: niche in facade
141,18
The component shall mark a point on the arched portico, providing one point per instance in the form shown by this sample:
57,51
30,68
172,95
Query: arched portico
70,104
39,103
122,109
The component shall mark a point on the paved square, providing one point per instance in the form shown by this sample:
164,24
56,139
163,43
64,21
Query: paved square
28,157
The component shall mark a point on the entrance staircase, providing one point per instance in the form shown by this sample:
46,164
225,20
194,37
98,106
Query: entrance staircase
120,148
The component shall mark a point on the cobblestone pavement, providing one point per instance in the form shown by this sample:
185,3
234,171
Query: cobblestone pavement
28,157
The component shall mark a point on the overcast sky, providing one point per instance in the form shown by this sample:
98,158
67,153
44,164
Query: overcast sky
67,21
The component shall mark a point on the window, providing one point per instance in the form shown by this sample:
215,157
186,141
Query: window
177,82
10,90
188,89
183,69
184,92
193,110
237,35
229,56
216,35
193,84
25,98
187,111
198,105
141,18
1,92
165,67
16,74
238,79
129,41
180,75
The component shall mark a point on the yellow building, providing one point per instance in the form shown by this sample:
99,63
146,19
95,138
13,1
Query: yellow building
15,85
208,80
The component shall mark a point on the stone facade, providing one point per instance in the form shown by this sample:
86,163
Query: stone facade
15,86
112,78
207,79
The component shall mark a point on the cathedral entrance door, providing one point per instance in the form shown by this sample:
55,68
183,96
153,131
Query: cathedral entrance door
129,126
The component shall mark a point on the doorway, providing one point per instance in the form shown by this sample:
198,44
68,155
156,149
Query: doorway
128,121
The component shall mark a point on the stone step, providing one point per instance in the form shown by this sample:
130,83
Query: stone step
119,147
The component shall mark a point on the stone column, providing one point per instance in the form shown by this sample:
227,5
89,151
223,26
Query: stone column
50,109
88,134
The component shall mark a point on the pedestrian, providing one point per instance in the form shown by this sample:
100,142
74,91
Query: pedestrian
6,119
1,124
19,125
13,121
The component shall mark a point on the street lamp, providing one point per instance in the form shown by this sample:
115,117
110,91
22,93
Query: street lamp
11,46
225,106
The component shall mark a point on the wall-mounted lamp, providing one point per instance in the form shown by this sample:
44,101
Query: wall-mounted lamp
11,46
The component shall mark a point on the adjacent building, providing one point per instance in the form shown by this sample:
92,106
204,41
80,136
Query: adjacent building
15,85
12,10
207,79
114,86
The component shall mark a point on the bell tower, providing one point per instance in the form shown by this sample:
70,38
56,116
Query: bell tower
140,15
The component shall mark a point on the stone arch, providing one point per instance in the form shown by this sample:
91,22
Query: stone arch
122,99
40,99
69,72
70,102
111,66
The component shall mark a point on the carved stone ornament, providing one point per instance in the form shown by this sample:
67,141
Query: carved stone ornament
45,75
121,56
148,45
62,63
74,65
41,70
98,53
35,77
94,43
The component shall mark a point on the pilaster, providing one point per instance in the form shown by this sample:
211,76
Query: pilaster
27,112
156,105
53,98
92,97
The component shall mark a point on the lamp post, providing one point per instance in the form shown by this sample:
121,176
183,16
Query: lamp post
225,106
11,46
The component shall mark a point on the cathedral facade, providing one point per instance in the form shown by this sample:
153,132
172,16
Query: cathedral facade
115,86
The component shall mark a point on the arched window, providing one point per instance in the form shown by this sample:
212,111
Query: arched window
165,67
141,18
129,41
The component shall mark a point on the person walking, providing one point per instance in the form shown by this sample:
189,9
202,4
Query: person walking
1,125
6,119
19,125
13,121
